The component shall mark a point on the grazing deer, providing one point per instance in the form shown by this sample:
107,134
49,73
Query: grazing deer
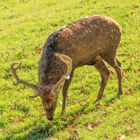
88,41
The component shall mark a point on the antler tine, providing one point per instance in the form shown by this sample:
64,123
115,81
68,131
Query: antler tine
35,95
14,71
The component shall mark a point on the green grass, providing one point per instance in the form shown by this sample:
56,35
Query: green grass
24,28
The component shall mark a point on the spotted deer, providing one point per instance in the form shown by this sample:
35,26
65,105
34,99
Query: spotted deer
92,40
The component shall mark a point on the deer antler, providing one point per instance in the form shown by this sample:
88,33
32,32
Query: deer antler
39,90
20,81
67,60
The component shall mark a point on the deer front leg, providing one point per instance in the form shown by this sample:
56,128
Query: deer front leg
64,93
101,67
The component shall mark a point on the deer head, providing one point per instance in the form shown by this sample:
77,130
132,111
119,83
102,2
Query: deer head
47,92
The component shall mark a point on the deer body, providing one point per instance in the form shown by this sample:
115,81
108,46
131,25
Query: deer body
85,39
88,41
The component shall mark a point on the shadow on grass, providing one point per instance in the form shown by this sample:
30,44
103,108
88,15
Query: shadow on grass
60,124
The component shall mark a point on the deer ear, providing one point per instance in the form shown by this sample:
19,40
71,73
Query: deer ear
48,88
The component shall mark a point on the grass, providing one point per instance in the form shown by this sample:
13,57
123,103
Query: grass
24,28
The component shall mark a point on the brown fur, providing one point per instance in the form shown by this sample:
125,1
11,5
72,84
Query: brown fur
88,41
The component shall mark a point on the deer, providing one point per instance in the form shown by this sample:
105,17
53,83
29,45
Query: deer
91,40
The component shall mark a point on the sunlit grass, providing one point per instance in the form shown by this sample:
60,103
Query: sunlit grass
24,28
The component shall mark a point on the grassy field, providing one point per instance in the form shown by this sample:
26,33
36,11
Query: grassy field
24,28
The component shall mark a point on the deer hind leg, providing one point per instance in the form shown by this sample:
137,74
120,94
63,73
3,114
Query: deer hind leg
101,67
114,62
64,93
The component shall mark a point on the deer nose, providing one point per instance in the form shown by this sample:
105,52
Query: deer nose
50,118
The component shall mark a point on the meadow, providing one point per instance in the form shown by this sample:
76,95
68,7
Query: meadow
24,28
